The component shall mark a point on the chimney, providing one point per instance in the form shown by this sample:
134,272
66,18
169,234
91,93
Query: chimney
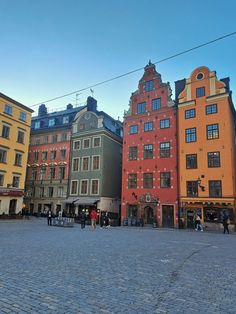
42,110
91,104
69,106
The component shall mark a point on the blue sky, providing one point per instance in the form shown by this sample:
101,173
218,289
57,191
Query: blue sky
53,47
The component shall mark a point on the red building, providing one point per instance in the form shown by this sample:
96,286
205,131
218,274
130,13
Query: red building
149,171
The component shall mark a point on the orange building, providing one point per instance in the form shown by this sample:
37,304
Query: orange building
206,149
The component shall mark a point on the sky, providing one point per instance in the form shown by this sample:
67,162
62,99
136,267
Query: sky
53,47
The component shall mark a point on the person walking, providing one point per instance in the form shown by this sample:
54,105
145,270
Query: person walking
93,216
198,224
226,222
49,217
106,220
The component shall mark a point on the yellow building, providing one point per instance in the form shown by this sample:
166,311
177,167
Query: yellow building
15,121
206,149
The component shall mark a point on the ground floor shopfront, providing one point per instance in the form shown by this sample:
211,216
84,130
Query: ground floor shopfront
148,211
211,212
11,201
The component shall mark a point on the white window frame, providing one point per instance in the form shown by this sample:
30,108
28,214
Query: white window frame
60,189
76,188
83,163
21,159
99,166
91,186
37,125
79,144
22,116
73,164
94,141
16,176
81,186
85,139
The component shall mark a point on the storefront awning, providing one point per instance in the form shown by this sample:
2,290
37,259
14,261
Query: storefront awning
81,200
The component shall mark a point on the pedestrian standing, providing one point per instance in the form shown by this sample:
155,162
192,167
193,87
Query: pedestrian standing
226,222
93,216
83,219
49,217
106,220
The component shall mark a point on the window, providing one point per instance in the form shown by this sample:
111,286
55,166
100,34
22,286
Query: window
54,138
53,154
77,145
148,151
165,123
64,137
43,173
133,129
85,164
46,139
37,140
62,172
1,179
212,131
132,181
148,86
148,180
63,154
133,153
34,174
215,214
22,116
50,191
8,109
37,124
52,173
36,156
41,192
191,161
18,159
156,104
3,155
213,159
191,113
16,182
86,143
84,187
192,188
96,142
210,109
165,180
94,187
60,191
65,119
74,187
200,91
215,189
200,76
164,149
20,137
141,107
190,135
96,162
148,126
51,122
44,155
5,131
75,164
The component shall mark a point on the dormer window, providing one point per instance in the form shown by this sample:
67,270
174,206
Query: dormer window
65,120
51,122
37,124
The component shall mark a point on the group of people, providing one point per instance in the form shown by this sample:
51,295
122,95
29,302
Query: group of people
104,219
225,222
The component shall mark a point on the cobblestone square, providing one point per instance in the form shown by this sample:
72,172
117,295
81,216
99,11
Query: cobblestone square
118,270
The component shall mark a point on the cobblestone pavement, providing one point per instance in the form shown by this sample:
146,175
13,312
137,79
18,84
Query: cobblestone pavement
118,270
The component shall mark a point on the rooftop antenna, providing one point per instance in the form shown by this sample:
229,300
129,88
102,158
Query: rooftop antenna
92,91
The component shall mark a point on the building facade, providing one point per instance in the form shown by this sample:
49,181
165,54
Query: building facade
95,172
15,121
49,160
149,174
206,154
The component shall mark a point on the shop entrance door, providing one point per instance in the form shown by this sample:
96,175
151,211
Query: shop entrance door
168,216
148,215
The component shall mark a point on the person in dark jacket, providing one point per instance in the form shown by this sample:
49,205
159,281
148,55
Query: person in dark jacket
82,219
226,222
49,217
106,220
